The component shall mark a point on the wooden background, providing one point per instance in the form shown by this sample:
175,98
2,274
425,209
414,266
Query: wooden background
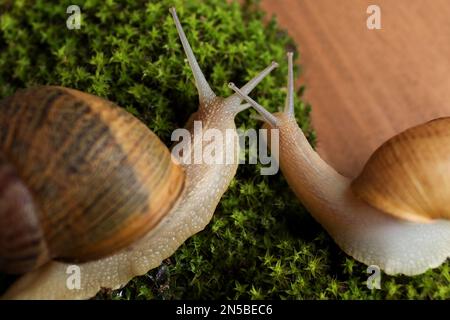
367,85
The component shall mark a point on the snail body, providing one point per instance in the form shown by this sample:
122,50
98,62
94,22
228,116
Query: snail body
203,186
368,222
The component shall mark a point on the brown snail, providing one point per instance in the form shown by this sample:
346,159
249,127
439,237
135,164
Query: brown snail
395,213
101,157
81,178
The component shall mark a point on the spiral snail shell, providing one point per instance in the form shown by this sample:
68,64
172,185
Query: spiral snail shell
189,193
395,213
81,178
409,175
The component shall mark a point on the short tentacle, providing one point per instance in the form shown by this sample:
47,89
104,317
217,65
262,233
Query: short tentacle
256,117
249,86
243,107
270,118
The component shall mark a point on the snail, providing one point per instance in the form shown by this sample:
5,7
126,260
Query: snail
111,161
395,213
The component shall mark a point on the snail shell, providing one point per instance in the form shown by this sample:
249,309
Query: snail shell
409,175
80,178
416,159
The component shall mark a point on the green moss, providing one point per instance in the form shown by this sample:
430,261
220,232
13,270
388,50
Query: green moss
261,243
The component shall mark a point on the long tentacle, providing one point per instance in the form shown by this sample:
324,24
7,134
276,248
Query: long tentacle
204,90
289,107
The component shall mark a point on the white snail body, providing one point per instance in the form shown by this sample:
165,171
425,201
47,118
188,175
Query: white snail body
397,242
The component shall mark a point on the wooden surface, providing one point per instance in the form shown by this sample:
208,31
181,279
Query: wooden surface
367,85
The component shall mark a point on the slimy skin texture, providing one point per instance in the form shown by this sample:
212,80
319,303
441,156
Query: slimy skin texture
369,235
363,232
204,186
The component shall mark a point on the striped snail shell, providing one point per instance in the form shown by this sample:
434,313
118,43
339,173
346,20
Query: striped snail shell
80,178
395,214
409,175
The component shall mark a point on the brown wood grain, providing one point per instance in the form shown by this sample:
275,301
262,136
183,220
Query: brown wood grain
367,85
